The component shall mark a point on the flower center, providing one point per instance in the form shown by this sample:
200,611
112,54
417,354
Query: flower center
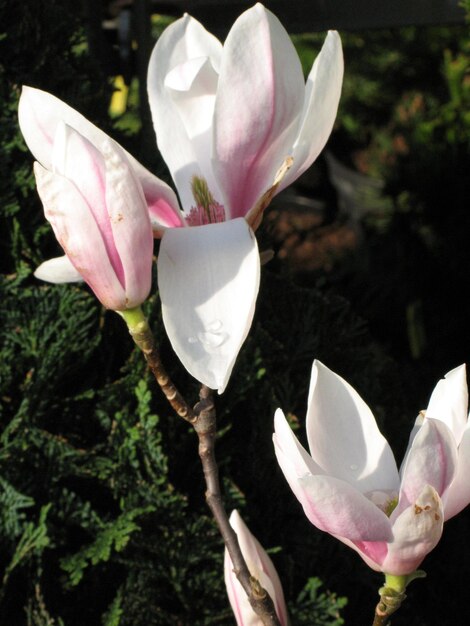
207,209
385,500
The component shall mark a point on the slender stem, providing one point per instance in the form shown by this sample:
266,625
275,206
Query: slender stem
203,419
206,429
392,595
142,335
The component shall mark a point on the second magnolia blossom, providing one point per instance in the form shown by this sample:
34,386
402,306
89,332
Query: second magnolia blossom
349,484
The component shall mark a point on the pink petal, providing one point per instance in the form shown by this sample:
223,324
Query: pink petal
323,91
432,460
258,107
79,161
343,436
182,82
78,234
336,507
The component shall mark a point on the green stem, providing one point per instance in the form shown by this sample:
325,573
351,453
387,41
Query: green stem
392,595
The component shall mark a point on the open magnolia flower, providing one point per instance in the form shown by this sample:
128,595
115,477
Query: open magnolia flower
261,567
349,485
235,124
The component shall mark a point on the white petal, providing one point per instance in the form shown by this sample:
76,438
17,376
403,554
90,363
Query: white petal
415,533
323,91
292,457
182,82
58,270
343,435
449,401
458,495
208,278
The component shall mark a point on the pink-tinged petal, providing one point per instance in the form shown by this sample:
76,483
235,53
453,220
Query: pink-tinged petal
449,401
58,270
343,435
258,107
78,234
261,567
337,508
39,115
323,91
416,531
182,83
373,552
81,163
432,460
208,277
130,224
162,204
458,495
293,459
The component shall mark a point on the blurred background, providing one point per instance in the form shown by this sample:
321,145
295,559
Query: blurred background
102,513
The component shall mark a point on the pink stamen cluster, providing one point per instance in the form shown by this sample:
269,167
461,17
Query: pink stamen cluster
200,215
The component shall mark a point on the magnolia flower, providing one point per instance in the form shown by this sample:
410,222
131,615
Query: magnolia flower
98,213
261,567
349,485
235,124
96,197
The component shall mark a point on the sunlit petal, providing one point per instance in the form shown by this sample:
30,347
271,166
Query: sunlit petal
449,401
343,435
323,90
208,278
258,106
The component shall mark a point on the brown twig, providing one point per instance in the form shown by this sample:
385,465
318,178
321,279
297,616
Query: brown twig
203,419
143,337
206,429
